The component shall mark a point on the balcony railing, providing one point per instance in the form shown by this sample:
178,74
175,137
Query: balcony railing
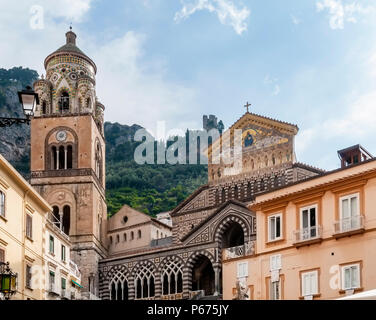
307,234
349,224
74,269
246,249
52,289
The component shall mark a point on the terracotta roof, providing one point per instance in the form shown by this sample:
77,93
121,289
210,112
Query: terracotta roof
308,167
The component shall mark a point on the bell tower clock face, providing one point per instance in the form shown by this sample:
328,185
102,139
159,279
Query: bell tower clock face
61,136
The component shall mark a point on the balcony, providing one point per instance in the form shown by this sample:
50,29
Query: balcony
74,269
52,290
246,249
307,236
349,226
64,294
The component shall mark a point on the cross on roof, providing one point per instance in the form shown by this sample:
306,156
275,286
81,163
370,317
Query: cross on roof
247,106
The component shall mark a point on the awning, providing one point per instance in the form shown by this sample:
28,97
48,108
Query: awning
76,284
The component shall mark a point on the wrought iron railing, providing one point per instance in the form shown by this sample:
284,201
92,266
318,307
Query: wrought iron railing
246,249
349,224
307,234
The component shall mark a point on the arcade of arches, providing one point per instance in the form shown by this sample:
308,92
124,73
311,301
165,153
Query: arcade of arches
200,273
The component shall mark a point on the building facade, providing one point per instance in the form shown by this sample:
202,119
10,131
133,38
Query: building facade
67,155
213,218
315,239
63,277
22,232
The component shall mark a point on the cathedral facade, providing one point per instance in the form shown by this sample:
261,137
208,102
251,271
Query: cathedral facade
212,223
67,156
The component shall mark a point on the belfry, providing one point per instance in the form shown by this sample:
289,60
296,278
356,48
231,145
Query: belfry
67,155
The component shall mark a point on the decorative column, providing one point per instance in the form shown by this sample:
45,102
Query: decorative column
65,158
187,282
131,287
217,270
57,158
158,285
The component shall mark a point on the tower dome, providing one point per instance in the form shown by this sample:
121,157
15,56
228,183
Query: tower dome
71,75
70,49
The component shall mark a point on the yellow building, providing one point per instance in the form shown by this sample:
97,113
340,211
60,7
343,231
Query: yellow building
315,239
22,230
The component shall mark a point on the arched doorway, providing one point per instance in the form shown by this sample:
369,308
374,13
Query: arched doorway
203,276
233,236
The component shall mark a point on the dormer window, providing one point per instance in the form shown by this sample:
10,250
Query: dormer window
64,102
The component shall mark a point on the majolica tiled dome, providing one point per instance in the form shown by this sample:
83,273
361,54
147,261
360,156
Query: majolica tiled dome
70,48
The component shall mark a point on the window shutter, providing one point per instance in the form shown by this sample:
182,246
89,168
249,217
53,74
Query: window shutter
354,277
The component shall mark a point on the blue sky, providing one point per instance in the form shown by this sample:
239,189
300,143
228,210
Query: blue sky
310,62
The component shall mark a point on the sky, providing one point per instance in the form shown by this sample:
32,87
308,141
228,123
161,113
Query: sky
307,62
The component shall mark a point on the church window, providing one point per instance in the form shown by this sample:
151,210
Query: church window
66,219
273,160
139,234
55,216
172,278
223,194
119,286
252,164
287,156
117,238
266,161
69,157
44,107
132,235
88,103
98,163
111,241
125,237
63,102
61,158
236,192
144,283
249,190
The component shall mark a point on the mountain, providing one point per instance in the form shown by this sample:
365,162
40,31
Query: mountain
15,141
148,188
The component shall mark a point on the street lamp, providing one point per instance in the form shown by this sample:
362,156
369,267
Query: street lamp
8,281
29,100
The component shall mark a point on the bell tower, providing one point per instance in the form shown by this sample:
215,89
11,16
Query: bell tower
67,155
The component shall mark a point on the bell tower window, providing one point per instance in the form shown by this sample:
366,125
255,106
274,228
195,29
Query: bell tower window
44,107
64,102
61,157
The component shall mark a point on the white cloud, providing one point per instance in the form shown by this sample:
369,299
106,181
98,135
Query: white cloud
274,83
295,20
227,12
340,13
135,90
356,121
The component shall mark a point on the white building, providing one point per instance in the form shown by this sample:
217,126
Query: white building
165,218
63,279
